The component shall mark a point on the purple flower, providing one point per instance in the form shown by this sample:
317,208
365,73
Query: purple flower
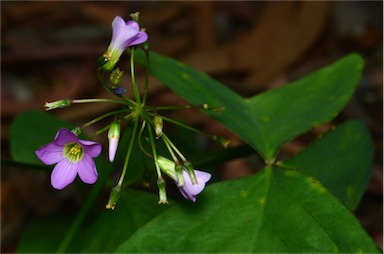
124,35
188,190
72,156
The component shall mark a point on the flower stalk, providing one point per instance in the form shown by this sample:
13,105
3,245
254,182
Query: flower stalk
128,155
160,180
73,156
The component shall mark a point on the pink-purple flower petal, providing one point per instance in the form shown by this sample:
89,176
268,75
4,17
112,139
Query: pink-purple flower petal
113,143
65,136
189,190
91,148
50,153
63,174
125,34
86,169
138,39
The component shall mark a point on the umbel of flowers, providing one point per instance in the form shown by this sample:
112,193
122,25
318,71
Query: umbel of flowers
73,156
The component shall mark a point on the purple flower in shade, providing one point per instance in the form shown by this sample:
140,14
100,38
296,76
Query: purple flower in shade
72,156
188,190
124,35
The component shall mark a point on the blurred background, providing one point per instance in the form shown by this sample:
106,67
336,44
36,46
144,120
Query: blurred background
49,51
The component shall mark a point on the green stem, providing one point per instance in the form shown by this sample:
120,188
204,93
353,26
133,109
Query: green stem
152,141
97,133
102,117
129,150
174,147
83,211
169,149
171,107
146,76
140,142
105,85
134,86
170,120
100,100
160,180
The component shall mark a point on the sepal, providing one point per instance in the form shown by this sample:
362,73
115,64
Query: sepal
114,197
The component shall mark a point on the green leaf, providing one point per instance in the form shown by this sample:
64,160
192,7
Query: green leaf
276,211
113,227
31,130
341,160
44,234
101,234
268,120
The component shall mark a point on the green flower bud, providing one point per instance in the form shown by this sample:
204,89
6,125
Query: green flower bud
76,131
167,166
57,104
114,197
224,142
135,16
158,122
162,191
215,109
116,77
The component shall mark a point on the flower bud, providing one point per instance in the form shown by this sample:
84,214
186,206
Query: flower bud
224,142
135,16
57,104
116,77
191,188
158,122
167,166
162,191
172,169
215,109
76,131
114,197
113,137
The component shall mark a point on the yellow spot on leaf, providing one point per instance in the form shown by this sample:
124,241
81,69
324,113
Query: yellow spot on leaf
244,194
185,76
266,119
315,185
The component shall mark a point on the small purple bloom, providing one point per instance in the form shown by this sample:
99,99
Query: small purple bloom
124,35
119,90
190,190
72,156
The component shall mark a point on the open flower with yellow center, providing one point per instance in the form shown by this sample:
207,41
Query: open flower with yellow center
72,156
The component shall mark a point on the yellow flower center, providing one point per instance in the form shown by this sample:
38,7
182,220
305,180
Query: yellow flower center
73,152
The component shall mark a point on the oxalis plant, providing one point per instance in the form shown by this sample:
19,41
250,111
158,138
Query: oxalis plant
300,204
